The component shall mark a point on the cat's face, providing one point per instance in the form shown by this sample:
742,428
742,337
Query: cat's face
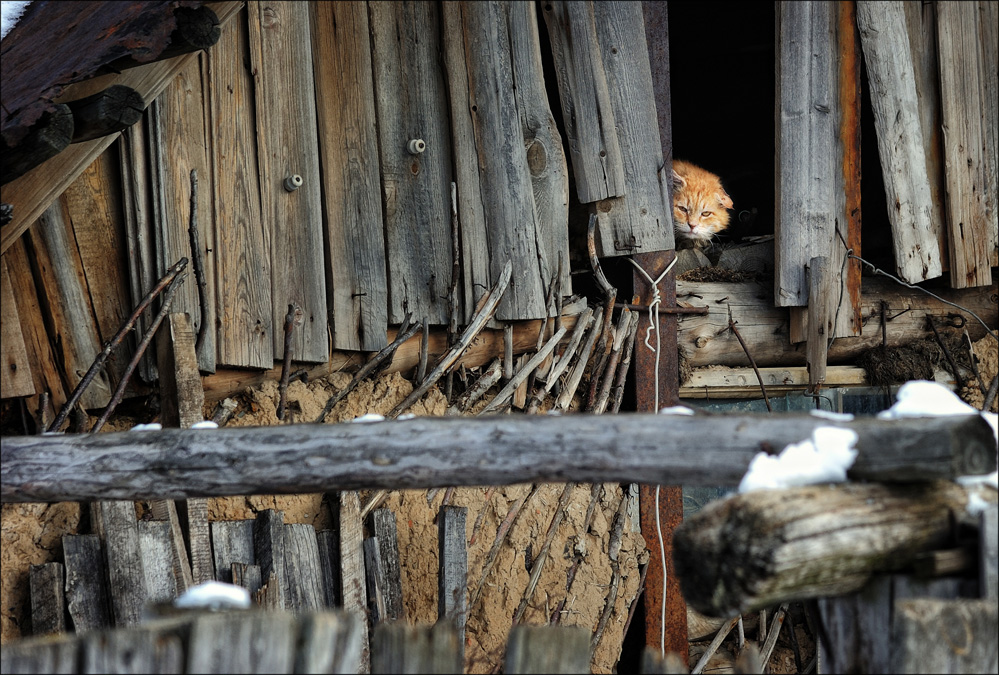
700,203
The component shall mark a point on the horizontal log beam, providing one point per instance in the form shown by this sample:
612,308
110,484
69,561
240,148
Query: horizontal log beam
107,112
762,548
431,451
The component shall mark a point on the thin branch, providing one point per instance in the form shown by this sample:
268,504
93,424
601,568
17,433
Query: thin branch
421,368
991,395
482,514
522,374
715,643
610,295
610,370
486,380
638,595
373,503
539,562
405,333
565,398
452,321
613,552
560,363
167,278
577,558
950,359
198,263
292,318
752,361
771,642
168,296
622,369
501,532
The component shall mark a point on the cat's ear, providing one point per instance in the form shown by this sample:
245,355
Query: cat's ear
678,180
724,199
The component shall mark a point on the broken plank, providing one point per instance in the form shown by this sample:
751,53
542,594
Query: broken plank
348,150
247,576
302,569
269,550
15,369
352,578
48,601
281,58
721,382
87,597
384,527
232,542
452,579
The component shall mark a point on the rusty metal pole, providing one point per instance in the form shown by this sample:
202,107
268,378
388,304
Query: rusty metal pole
665,608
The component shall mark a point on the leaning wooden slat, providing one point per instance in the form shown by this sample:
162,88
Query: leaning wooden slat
281,57
374,577
412,103
348,151
247,576
352,579
232,542
900,139
48,601
155,546
302,568
330,642
15,369
401,648
269,543
384,528
329,563
452,579
970,224
256,642
199,545
548,649
115,523
242,263
87,598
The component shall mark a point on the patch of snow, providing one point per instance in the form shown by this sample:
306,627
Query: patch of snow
152,426
823,458
406,416
214,595
676,410
206,424
830,415
922,398
10,14
369,417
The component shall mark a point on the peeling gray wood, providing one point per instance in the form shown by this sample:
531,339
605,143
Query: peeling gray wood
548,649
260,642
348,150
48,600
374,577
157,560
15,376
200,549
269,549
591,133
901,144
412,104
384,528
115,523
330,643
284,93
641,221
87,597
38,656
988,557
944,636
232,541
498,450
352,579
452,575
302,568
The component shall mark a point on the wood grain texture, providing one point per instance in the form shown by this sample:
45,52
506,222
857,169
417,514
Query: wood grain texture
48,601
348,144
232,542
87,597
988,25
178,143
262,642
495,193
284,93
302,569
548,649
329,562
15,368
901,146
641,221
242,246
920,624
115,523
720,382
383,526
330,642
452,575
269,551
411,97
402,648
971,206
352,579
499,450
155,547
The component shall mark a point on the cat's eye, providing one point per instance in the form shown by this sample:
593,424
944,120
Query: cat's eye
705,214
682,208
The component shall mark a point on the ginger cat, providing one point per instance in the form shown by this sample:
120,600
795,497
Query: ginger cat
700,205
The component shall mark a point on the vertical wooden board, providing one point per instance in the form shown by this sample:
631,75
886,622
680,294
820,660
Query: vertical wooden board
269,550
281,54
178,144
256,642
48,600
545,156
452,576
62,283
901,146
181,394
495,193
411,98
969,220
384,528
929,635
87,596
641,221
24,656
374,576
808,157
15,368
302,568
157,560
232,541
242,246
198,541
329,563
402,648
348,145
988,553
587,114
548,649
988,24
352,580
330,643
115,523
855,626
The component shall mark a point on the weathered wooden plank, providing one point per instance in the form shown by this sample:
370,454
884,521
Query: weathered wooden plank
348,145
181,395
199,544
48,601
178,144
402,648
284,92
384,528
801,542
268,550
242,246
411,98
330,643
970,224
452,575
548,649
988,24
988,558
944,636
641,221
720,382
114,522
352,579
87,597
587,114
819,320
707,340
808,156
495,193
496,450
258,642
155,547
61,283
137,650
232,542
302,568
43,655
15,369
901,145
247,576
374,577
329,563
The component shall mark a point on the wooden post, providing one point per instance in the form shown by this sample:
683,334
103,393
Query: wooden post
302,568
452,584
115,523
329,562
819,290
352,568
548,649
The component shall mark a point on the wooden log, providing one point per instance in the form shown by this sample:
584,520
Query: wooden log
302,570
970,221
723,382
329,562
383,526
452,575
256,642
15,369
944,636
106,112
807,542
697,450
232,542
707,340
269,544
330,642
115,523
410,92
87,598
48,602
901,146
197,28
402,648
348,145
587,113
155,547
352,579
548,649
47,138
